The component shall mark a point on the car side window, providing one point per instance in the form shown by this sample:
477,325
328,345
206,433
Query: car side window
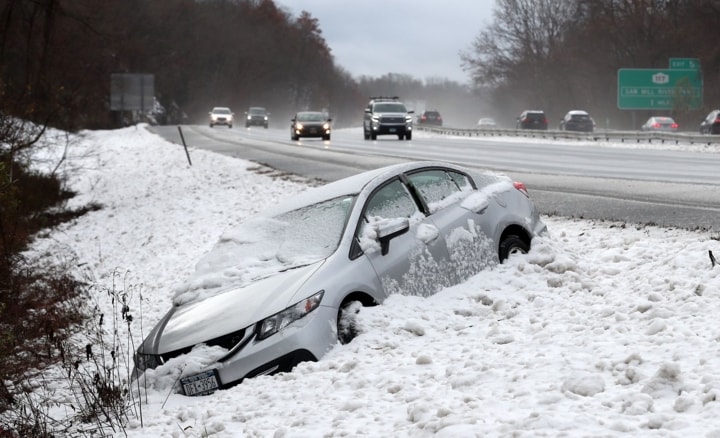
439,187
391,201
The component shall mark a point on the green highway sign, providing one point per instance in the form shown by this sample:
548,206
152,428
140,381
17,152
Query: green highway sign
649,88
684,63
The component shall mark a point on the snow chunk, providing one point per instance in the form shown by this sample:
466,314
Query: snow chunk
584,384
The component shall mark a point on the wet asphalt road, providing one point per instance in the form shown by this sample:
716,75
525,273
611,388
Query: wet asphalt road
686,195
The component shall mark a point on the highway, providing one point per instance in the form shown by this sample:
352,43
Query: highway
604,181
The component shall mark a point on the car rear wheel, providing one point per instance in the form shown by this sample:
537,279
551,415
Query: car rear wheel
510,245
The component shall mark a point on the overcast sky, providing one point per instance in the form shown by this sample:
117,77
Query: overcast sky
376,37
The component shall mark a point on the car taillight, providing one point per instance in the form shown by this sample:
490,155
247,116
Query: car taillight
522,188
656,125
674,126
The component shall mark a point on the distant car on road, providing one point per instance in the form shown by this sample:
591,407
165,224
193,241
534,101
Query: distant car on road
660,124
486,123
532,119
221,115
430,118
387,116
711,124
310,124
577,120
257,116
296,276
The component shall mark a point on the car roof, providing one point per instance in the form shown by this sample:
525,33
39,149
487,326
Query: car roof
221,108
354,184
578,112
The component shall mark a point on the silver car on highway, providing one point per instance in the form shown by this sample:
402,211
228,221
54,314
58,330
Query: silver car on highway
286,285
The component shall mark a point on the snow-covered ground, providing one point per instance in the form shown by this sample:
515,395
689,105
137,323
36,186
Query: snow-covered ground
603,329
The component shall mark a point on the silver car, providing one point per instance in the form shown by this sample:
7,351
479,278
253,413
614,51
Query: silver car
284,287
660,124
221,116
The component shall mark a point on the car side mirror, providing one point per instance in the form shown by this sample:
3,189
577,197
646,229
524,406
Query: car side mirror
390,230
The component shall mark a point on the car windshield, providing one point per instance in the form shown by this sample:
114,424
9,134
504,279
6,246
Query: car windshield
257,110
266,245
221,111
310,117
390,107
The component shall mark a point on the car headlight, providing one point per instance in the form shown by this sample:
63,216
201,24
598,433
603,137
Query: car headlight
147,361
326,126
408,119
299,126
273,324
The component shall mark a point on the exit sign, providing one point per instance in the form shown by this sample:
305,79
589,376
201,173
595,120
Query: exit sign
684,63
660,89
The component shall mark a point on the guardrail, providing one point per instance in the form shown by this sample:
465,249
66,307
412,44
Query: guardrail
598,135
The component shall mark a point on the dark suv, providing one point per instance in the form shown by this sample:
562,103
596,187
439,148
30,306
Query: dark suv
577,120
532,119
711,124
430,118
387,116
257,116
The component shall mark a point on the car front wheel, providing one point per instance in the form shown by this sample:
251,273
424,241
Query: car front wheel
347,321
510,245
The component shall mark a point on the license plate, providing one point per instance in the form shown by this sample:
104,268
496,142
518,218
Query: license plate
204,383
313,130
393,129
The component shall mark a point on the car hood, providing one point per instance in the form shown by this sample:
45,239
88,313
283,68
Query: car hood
192,323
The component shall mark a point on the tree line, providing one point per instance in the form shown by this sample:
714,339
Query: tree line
559,55
57,58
